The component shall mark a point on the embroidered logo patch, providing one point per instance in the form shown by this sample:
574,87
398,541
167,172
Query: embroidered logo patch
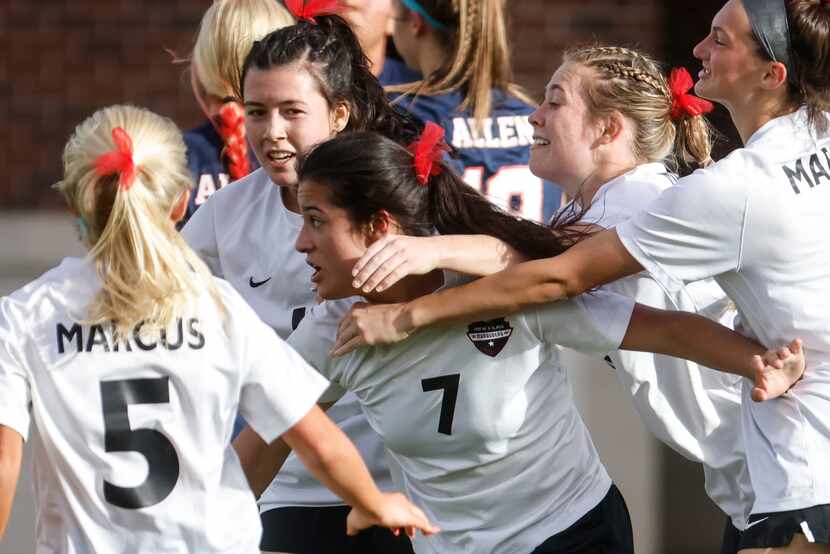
490,336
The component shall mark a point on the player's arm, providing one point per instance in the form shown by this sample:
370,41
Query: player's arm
11,454
332,458
393,257
262,461
593,261
693,337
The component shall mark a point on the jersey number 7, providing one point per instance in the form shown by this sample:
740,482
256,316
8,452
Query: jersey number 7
162,460
449,384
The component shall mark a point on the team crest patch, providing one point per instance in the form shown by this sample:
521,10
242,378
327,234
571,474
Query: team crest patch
490,336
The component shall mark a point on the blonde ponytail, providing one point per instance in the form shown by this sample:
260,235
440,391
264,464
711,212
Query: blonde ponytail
227,32
147,272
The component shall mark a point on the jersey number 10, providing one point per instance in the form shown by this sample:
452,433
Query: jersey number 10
162,460
513,188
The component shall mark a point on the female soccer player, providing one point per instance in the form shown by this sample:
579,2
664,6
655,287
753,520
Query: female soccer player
477,419
460,46
217,151
301,85
649,121
755,222
132,362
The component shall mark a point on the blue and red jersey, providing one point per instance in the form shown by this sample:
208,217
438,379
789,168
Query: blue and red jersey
207,165
493,156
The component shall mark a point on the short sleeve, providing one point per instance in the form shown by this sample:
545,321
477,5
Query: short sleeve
692,231
279,387
314,338
15,392
591,323
200,234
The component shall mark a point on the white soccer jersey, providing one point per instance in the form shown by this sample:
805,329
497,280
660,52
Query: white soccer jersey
757,221
246,235
693,409
133,452
478,420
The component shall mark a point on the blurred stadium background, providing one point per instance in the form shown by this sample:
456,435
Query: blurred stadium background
63,59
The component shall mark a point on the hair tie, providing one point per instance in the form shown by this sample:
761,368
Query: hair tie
308,11
428,151
680,82
232,129
119,160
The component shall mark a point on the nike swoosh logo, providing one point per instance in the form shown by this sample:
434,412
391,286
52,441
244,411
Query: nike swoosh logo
755,523
255,284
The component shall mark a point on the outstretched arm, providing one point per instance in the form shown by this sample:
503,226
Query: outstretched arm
262,461
332,458
594,261
693,337
11,454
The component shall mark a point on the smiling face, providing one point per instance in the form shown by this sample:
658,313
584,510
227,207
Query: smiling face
732,67
285,115
331,242
563,131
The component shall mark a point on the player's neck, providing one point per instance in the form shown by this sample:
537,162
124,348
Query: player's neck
586,189
409,288
747,121
431,56
377,57
289,199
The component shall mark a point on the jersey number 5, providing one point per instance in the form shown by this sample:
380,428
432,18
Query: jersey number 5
162,461
449,384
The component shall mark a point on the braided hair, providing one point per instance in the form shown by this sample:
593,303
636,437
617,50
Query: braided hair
331,53
631,83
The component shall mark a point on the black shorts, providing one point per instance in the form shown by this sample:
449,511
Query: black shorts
606,529
777,529
323,531
731,538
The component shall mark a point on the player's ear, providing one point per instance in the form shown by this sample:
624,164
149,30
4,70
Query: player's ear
381,224
609,128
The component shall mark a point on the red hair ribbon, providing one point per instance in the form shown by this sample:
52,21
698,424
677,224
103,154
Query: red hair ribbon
119,160
301,9
428,151
232,128
680,83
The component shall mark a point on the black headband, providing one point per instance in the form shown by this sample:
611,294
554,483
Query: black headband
769,23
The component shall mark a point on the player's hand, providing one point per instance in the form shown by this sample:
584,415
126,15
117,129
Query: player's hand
394,512
371,324
392,258
777,371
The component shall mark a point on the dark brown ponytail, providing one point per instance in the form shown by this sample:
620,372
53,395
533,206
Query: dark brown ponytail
366,173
